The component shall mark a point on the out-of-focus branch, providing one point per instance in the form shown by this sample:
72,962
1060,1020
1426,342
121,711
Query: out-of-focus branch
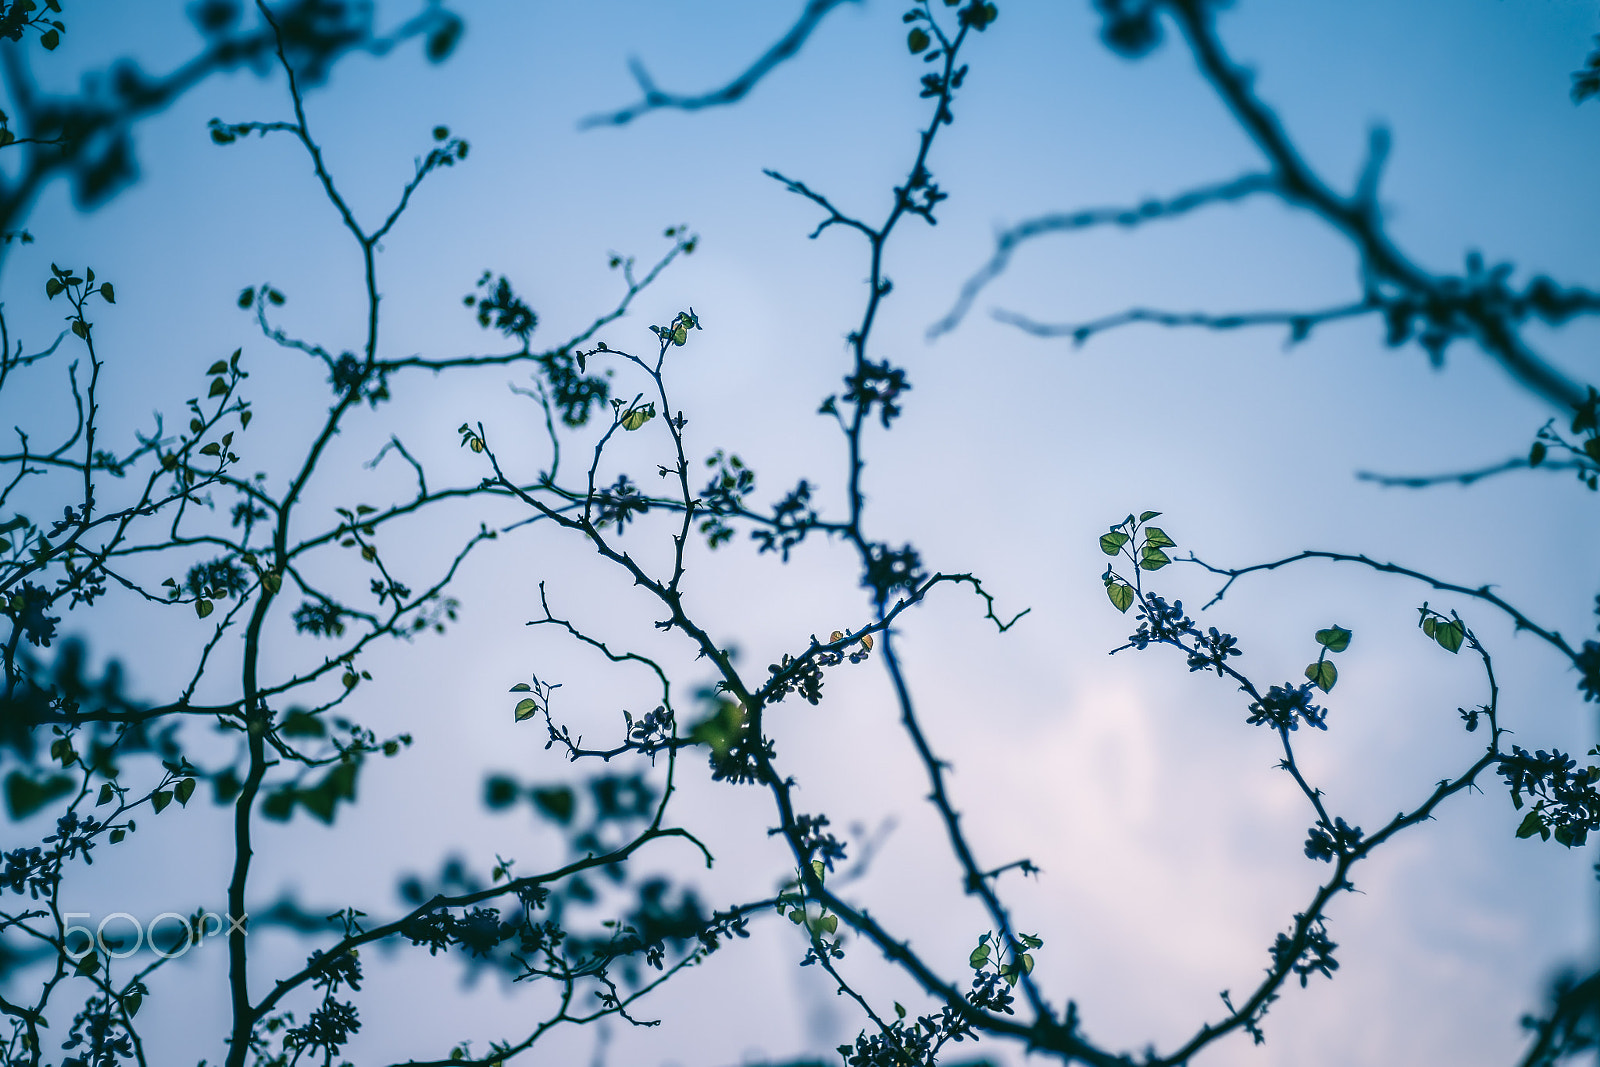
1007,240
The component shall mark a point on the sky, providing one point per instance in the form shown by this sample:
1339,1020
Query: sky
1169,843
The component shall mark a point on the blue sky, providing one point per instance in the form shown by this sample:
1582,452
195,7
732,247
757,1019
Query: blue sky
1170,845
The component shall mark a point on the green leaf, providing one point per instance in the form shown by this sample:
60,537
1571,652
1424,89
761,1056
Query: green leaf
979,957
722,728
80,328
218,388
1335,638
25,795
526,708
301,723
219,367
52,288
918,40
1112,542
226,786
899,1009
272,581
1450,635
1152,558
1148,515
1323,674
203,607
87,966
522,687
1026,962
212,449
109,293
1121,596
1031,941
1155,537
637,417
117,835
279,804
107,795
1532,824
1536,454
1429,624
160,799
131,1002
50,39
555,802
184,790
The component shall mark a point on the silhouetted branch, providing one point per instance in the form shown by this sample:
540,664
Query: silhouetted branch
655,99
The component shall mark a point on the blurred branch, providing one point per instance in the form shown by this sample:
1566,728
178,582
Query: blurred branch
1516,463
1007,241
1300,323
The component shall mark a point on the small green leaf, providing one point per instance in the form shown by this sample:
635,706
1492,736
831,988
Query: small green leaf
899,1009
1537,453
918,40
1155,537
107,795
203,607
1450,635
53,287
109,293
219,367
212,449
50,39
1152,558
1323,674
1112,542
87,966
1121,596
979,957
522,687
160,799
218,388
526,708
637,417
1148,515
184,790
131,1002
1026,962
1335,638
1532,824
117,835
